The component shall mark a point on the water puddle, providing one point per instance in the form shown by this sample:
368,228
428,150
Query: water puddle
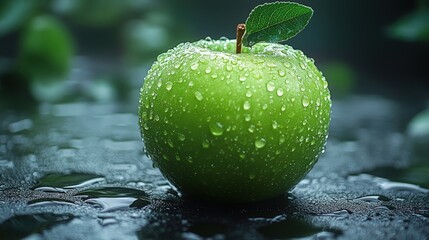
112,204
374,198
340,214
56,182
115,198
45,202
21,226
295,228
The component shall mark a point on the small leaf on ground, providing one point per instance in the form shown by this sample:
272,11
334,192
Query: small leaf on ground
276,22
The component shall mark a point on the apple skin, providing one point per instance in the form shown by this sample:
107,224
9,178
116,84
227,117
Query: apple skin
230,127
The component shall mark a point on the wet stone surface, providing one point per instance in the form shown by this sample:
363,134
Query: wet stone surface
73,171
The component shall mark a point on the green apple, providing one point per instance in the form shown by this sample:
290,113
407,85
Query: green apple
234,127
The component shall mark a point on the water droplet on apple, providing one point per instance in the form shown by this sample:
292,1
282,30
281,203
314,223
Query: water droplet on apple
257,75
260,143
170,143
181,137
318,102
271,65
208,70
270,86
252,176
264,106
247,117
305,101
169,86
251,128
205,143
275,125
325,83
281,72
177,65
302,65
208,39
287,64
216,128
242,78
228,67
199,96
248,93
194,66
283,108
246,105
280,92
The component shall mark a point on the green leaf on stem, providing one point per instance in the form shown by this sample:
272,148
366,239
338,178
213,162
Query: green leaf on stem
276,22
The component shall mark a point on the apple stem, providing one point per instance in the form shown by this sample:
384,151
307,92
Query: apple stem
240,32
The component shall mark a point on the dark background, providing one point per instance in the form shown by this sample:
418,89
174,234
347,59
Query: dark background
350,35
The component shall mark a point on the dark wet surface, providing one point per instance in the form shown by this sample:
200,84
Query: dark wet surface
78,171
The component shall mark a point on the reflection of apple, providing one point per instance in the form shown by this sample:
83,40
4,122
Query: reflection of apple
234,127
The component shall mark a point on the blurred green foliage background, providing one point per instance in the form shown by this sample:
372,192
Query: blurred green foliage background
100,50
